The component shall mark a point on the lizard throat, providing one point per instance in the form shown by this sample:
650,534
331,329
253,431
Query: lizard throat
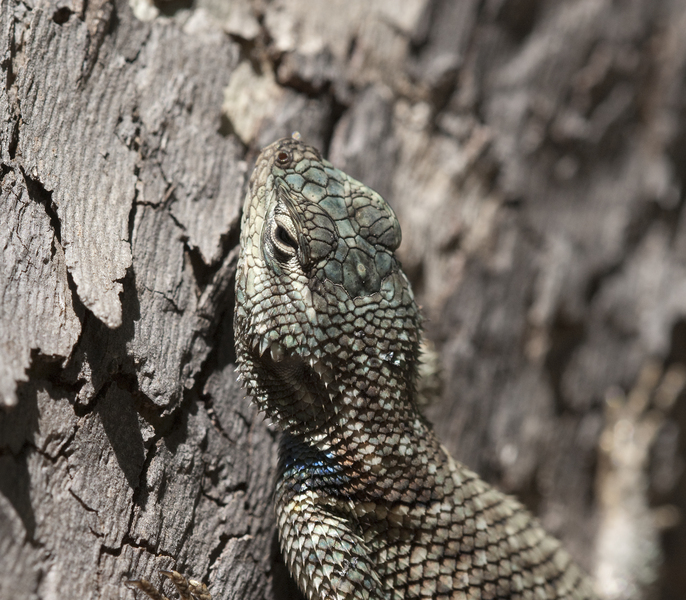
315,400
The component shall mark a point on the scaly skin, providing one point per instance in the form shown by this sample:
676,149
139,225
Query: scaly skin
369,504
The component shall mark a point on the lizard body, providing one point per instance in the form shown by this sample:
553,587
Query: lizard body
369,504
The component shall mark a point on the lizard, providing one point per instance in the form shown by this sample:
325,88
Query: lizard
369,504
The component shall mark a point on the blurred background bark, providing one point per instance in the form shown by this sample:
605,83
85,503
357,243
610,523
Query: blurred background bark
534,151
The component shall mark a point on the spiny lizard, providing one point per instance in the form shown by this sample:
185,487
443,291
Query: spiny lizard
369,504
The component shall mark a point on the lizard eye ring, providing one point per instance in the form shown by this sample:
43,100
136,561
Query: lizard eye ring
283,158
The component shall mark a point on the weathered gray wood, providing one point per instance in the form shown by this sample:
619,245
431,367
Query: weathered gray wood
534,153
69,143
137,193
36,308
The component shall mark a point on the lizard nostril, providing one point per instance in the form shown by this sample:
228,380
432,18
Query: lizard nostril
283,157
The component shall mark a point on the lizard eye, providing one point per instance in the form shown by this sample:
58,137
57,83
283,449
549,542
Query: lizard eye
284,240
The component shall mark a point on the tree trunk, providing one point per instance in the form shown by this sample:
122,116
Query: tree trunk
534,151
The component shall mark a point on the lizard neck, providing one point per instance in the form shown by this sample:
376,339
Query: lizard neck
362,438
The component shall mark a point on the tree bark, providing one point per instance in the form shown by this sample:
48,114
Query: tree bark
534,152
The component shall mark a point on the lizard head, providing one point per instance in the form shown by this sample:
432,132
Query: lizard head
322,305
